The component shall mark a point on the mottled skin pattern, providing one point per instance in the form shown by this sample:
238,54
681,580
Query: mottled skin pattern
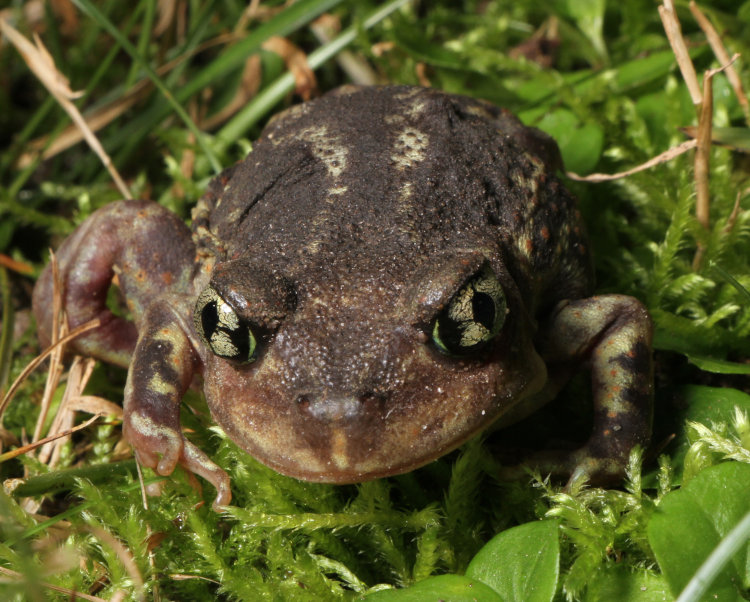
354,222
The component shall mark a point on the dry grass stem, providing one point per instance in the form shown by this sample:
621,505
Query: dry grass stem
667,155
92,404
59,330
166,10
40,62
106,114
96,120
19,451
722,56
256,11
78,376
674,35
16,266
252,77
732,219
701,165
181,577
34,364
703,153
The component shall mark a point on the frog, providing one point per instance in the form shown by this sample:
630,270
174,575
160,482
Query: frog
389,272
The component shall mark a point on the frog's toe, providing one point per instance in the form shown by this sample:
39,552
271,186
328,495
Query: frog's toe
156,446
194,460
579,466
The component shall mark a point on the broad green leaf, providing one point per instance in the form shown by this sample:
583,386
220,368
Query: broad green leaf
581,144
444,588
716,366
704,405
522,563
621,583
690,522
644,70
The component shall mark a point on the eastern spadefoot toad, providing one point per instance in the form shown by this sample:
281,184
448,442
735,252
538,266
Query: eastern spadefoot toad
390,271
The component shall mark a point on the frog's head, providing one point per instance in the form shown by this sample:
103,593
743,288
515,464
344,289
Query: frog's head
343,380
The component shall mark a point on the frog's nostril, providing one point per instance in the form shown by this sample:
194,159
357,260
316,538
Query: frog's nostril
303,402
327,408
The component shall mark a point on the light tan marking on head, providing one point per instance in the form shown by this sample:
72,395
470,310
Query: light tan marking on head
415,108
409,147
480,111
327,148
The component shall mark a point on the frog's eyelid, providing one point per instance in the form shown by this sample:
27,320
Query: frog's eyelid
438,282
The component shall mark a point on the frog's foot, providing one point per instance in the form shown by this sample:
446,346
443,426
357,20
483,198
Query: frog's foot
612,335
162,448
579,466
163,366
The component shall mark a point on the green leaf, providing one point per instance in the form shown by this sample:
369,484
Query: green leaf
716,366
690,522
580,143
621,583
705,405
521,563
444,588
589,16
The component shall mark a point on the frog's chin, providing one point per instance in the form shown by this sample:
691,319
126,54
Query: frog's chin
332,437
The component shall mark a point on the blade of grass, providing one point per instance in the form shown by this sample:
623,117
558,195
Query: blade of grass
273,93
20,141
717,560
93,12
731,280
144,40
6,333
292,18
284,23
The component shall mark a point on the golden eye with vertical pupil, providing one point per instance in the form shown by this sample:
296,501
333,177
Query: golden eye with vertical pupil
473,317
225,333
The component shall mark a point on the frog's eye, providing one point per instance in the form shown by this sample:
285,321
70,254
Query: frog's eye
226,334
473,317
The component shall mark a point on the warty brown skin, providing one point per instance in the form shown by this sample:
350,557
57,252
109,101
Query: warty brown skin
358,221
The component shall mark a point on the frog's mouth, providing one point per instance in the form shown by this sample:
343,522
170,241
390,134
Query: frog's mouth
335,438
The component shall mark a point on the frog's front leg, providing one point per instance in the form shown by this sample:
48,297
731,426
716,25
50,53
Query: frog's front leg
612,334
162,369
148,249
